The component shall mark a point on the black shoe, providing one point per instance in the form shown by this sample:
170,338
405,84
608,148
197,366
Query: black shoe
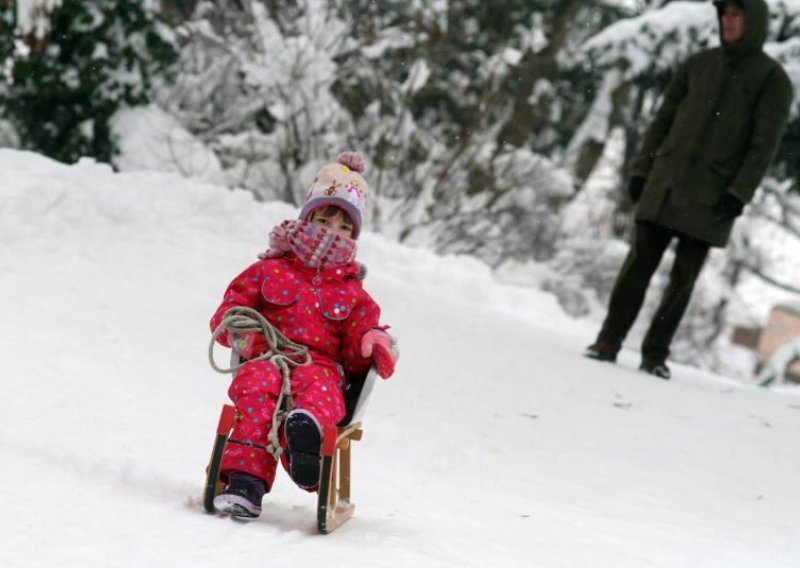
659,370
304,441
242,497
602,352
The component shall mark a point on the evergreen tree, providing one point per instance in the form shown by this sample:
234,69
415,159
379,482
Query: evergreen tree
6,43
98,56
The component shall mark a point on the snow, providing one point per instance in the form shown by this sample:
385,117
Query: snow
596,125
656,39
149,138
588,214
495,443
388,39
32,16
418,76
788,54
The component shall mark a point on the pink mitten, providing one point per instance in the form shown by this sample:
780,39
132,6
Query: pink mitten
382,347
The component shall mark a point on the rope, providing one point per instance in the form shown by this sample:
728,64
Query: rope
282,353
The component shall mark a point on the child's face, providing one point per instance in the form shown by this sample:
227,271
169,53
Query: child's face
338,221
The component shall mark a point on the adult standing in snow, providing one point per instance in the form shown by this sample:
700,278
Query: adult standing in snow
702,159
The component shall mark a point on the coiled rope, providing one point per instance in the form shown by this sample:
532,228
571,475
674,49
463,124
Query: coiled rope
283,353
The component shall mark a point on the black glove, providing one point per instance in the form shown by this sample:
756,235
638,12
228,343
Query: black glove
729,206
635,187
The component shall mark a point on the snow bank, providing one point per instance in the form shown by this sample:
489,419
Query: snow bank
150,139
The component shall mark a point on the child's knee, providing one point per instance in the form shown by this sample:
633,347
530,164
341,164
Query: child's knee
256,379
325,401
306,377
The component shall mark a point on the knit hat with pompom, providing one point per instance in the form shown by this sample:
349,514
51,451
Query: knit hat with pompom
340,184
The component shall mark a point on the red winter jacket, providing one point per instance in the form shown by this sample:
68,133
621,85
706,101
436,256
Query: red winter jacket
326,310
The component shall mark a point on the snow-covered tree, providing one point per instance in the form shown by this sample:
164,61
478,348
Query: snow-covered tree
423,88
500,129
8,136
90,59
7,18
453,178
256,84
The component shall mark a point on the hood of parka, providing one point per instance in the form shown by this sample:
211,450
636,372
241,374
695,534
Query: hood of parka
756,24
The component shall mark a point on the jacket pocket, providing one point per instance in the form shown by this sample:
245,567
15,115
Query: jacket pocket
337,304
280,292
724,170
712,180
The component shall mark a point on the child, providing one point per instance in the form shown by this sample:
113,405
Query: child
309,287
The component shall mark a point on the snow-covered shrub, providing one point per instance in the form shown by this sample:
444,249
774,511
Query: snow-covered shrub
91,59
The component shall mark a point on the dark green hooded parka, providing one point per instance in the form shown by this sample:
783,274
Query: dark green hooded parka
717,130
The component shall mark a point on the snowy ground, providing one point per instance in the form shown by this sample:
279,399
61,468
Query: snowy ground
496,444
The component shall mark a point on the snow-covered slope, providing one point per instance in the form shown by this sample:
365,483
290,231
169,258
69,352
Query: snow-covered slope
496,443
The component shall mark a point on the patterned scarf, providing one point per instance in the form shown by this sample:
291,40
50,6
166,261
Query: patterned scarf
315,245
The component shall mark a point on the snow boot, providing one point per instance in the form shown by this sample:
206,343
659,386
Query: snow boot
656,368
304,441
602,352
242,497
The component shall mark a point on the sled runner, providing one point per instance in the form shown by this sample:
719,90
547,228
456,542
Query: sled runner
333,494
333,491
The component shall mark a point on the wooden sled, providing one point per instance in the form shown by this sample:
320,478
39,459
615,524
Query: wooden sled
334,505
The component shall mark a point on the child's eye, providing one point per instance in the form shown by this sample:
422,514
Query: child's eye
322,221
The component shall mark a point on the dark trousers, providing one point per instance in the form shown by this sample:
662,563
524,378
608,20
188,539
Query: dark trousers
649,243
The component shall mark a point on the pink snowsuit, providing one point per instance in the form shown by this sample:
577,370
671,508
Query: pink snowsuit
326,310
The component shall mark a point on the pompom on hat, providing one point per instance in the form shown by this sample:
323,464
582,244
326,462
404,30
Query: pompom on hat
340,184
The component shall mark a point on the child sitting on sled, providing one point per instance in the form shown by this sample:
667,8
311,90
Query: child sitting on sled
309,287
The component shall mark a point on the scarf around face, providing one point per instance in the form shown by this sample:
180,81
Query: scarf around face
315,245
